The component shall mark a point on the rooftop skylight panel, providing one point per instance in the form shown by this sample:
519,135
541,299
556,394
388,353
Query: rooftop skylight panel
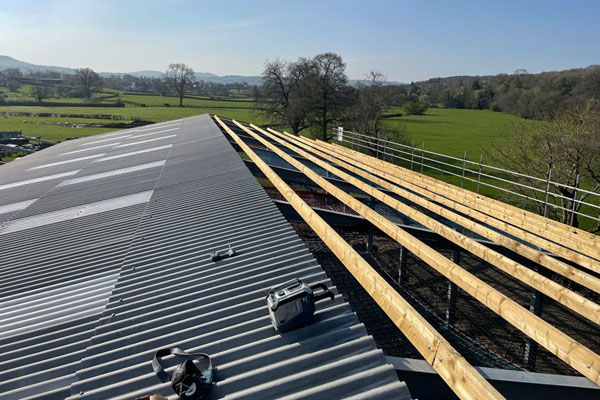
40,179
133,153
66,161
145,141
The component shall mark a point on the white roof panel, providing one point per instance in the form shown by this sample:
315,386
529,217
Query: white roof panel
114,172
145,141
74,212
36,180
133,153
65,161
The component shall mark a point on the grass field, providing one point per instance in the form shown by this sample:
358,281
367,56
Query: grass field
192,101
137,107
452,132
446,131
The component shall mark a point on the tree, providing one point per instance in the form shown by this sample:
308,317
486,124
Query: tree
569,146
88,81
13,85
331,86
11,73
180,78
591,82
306,91
288,93
484,97
40,93
63,91
373,99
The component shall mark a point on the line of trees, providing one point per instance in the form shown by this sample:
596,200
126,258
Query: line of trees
85,82
315,92
534,96
82,84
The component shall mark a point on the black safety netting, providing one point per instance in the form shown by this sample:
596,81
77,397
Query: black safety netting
480,335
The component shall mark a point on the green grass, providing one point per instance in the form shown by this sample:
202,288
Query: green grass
34,126
446,131
452,132
154,111
192,101
131,99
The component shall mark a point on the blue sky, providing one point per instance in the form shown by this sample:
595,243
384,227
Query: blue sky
405,40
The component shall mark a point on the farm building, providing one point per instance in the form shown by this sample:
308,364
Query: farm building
106,257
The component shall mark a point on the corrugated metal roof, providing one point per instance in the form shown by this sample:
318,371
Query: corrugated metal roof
86,301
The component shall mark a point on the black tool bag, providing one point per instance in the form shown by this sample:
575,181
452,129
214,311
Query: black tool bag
292,304
188,381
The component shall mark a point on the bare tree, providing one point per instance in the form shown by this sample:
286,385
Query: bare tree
88,80
287,95
306,91
366,115
180,78
569,145
331,88
373,99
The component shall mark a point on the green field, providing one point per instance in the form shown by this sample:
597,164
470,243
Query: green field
137,107
452,132
191,101
446,131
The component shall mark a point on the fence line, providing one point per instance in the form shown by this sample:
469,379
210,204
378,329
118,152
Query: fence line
383,148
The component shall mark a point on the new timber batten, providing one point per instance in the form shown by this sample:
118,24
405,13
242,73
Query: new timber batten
460,375
569,350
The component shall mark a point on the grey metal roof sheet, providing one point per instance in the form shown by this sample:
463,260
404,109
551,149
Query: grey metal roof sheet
85,302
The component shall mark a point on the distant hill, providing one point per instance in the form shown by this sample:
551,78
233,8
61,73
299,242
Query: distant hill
9,62
148,74
250,80
158,74
356,82
205,75
201,76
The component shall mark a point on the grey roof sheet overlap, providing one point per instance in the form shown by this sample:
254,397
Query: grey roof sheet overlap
85,302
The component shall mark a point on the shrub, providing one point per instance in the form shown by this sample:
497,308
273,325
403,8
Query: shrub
415,107
494,107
